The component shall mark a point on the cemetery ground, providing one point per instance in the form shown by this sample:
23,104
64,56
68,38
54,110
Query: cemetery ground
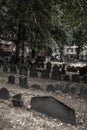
12,118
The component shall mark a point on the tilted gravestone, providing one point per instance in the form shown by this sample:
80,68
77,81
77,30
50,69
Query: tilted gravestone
50,88
33,72
52,107
75,78
13,69
11,79
4,94
23,82
17,100
66,78
45,74
48,66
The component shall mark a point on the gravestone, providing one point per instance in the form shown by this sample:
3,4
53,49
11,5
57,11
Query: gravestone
5,68
70,88
23,82
56,74
54,108
66,78
33,72
84,79
4,94
23,70
83,70
50,88
48,66
17,101
83,92
13,69
11,79
75,78
45,74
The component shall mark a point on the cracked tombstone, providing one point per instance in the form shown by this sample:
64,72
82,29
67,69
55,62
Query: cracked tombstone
54,108
23,82
17,100
11,79
4,94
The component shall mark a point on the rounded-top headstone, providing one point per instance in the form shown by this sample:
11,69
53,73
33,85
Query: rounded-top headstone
4,94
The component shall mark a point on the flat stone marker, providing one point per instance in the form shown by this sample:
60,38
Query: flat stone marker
11,79
17,101
52,107
4,94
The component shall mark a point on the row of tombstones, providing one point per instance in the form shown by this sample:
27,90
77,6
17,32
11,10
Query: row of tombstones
70,88
56,74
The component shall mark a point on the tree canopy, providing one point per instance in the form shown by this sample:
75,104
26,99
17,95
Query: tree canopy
37,21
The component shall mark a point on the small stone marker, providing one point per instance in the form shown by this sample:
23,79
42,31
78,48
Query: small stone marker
4,94
17,101
11,79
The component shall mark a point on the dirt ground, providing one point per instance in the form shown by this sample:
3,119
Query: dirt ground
22,119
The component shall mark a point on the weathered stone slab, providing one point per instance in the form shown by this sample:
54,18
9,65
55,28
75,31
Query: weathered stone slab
17,101
52,107
4,94
11,79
